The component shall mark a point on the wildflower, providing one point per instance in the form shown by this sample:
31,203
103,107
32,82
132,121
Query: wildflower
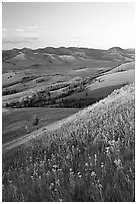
55,166
127,177
51,186
93,173
90,161
118,163
35,173
79,175
60,200
102,164
107,150
68,156
57,183
10,182
30,159
86,164
111,142
100,186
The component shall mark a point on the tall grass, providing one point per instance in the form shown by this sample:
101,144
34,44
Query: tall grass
88,158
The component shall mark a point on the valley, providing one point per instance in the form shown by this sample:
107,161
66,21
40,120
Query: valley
60,73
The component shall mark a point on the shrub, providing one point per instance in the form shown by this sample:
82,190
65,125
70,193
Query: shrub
35,120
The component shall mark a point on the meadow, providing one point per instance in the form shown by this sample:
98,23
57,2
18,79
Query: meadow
90,157
14,121
113,79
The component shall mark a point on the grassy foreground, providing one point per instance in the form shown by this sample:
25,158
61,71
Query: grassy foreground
89,158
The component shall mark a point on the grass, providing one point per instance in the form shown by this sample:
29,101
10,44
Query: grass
14,121
88,158
123,67
113,79
104,91
96,93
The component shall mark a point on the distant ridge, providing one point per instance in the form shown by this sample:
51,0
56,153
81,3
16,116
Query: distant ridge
88,53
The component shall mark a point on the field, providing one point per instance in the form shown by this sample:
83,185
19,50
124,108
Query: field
90,157
18,122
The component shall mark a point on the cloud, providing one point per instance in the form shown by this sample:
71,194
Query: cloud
30,38
20,35
26,29
21,40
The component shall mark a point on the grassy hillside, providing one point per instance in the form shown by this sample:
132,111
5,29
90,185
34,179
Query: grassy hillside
105,84
89,157
123,67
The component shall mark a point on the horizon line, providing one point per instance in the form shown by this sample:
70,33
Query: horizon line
65,47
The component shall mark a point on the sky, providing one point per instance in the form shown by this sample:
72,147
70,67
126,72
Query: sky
99,25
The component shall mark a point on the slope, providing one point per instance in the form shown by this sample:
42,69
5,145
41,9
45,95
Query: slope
123,67
88,157
105,84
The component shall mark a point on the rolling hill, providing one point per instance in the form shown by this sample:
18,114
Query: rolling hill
53,74
89,156
70,57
